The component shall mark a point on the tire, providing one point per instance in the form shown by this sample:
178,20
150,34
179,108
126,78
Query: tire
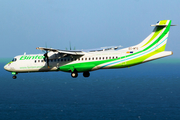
74,74
14,77
86,74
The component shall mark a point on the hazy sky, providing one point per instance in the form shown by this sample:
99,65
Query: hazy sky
27,24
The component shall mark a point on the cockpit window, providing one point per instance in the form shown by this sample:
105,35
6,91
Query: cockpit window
14,59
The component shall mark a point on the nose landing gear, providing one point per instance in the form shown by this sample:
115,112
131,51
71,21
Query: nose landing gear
14,75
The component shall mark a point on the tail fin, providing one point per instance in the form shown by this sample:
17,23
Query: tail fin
158,38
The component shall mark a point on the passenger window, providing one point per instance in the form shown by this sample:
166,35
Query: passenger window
116,57
82,59
92,58
103,58
112,57
41,60
64,59
96,58
106,57
99,58
35,61
109,57
85,58
89,58
71,59
61,59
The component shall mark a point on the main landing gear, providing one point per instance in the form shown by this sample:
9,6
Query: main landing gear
75,74
86,74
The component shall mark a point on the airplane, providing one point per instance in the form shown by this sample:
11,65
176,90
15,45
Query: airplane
80,61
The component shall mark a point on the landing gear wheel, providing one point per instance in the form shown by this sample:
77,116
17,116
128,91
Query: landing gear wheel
74,74
86,74
14,77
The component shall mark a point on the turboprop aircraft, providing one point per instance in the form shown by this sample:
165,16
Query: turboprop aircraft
74,61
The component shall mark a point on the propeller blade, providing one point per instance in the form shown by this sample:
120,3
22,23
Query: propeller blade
69,45
46,58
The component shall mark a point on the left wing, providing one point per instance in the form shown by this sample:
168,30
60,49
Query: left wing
68,52
105,48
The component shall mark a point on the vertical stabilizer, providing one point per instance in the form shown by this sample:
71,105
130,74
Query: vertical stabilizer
158,38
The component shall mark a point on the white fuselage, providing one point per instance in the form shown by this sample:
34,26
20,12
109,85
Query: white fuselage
36,63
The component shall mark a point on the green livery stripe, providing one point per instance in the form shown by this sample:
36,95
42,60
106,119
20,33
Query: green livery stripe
9,62
85,66
154,43
163,22
158,30
88,66
150,46
138,60
135,56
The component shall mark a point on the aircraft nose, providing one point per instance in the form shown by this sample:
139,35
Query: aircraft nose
6,67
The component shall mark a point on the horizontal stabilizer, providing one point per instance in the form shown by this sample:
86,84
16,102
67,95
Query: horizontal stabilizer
162,25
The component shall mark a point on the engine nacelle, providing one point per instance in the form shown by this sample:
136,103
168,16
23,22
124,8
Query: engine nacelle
54,55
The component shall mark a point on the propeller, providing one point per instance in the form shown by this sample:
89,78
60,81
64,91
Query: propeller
70,45
46,58
70,48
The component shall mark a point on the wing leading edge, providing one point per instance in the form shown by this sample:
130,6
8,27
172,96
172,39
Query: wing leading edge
62,51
